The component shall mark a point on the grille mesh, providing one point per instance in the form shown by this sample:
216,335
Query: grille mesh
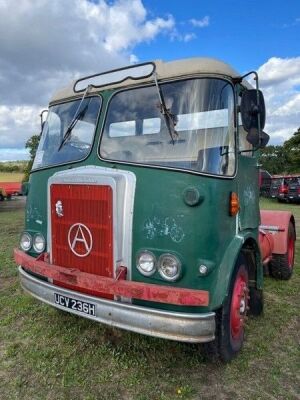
83,206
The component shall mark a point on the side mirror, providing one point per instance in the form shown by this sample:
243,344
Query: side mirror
253,114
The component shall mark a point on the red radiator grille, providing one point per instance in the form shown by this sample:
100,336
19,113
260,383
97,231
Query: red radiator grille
82,237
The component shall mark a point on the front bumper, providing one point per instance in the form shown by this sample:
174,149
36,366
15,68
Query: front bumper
184,327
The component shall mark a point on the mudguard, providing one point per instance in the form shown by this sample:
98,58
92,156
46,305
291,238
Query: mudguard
277,223
225,270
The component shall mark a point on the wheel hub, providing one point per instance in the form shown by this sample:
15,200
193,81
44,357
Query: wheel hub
239,306
242,306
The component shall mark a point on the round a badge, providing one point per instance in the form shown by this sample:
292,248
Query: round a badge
80,240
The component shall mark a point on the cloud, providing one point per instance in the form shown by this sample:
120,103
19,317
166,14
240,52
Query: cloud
49,43
283,71
133,59
13,154
280,80
189,36
15,124
291,24
200,23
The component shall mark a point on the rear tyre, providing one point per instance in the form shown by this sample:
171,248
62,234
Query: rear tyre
256,302
281,266
230,319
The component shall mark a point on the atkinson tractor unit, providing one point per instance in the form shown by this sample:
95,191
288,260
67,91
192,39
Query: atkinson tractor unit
142,209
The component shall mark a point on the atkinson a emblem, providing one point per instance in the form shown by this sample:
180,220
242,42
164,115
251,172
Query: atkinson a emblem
80,240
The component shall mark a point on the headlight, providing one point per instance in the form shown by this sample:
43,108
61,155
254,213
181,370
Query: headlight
39,243
146,263
169,267
25,241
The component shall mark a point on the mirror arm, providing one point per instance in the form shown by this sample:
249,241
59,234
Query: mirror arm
257,94
250,73
250,150
41,117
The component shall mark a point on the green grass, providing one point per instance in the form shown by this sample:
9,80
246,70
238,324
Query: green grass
48,354
11,176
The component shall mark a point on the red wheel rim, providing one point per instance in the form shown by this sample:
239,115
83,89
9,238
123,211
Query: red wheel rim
291,251
239,305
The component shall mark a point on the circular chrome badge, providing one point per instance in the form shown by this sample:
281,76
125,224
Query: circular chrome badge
80,240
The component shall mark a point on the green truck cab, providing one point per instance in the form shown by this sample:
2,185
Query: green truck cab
142,208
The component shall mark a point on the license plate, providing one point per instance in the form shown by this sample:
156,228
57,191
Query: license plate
291,197
74,304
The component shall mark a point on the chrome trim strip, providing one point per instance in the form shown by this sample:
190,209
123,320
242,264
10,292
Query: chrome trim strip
183,327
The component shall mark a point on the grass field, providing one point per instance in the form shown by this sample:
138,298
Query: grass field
11,177
48,354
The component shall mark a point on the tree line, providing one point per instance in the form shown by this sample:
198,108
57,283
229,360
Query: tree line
13,166
283,159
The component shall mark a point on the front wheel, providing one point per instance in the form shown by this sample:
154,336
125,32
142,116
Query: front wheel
230,319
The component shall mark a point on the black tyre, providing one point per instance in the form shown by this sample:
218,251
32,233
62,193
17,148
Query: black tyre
230,319
281,266
256,301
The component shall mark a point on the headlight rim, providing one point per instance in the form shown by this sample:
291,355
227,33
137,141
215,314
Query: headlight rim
34,245
141,271
179,271
30,240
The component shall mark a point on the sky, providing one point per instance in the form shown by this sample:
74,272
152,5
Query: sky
45,44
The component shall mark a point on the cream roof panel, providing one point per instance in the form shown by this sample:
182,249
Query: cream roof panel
164,70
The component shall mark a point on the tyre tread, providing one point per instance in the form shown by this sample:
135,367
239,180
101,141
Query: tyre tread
279,267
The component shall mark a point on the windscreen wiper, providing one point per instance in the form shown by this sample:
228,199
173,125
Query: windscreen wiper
170,119
77,116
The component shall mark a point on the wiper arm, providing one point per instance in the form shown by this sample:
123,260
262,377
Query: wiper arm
74,121
170,118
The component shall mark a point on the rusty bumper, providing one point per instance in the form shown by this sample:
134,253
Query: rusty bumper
96,284
185,327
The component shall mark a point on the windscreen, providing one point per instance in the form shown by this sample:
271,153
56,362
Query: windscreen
68,132
202,112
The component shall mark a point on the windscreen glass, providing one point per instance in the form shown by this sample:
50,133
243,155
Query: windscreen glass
201,135
276,182
59,144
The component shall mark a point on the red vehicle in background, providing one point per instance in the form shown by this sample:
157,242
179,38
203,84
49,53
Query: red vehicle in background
294,189
265,181
7,189
279,187
285,188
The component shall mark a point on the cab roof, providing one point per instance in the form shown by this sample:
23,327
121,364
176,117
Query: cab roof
163,70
